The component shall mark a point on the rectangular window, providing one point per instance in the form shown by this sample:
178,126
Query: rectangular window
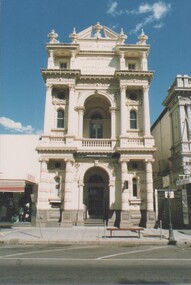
131,66
63,65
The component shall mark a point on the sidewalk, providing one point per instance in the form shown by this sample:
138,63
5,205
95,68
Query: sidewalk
90,235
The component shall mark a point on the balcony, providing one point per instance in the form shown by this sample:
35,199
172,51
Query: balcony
86,144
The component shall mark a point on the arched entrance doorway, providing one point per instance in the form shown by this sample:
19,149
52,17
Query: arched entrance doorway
96,193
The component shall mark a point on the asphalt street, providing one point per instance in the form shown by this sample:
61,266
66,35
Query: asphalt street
95,264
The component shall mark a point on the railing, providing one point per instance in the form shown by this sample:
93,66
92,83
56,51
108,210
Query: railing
101,143
135,141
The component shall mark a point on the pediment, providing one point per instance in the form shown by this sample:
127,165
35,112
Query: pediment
97,31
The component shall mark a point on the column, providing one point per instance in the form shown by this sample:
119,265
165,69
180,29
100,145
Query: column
73,60
42,197
144,63
68,185
123,111
113,122
146,112
71,118
125,191
122,61
149,185
188,114
80,121
48,109
51,60
80,196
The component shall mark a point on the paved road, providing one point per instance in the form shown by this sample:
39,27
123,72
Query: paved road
89,264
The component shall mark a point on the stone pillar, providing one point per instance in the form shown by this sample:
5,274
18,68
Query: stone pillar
67,218
48,117
113,122
68,185
80,121
51,60
71,118
73,60
123,119
80,212
122,61
146,112
188,115
43,190
144,63
125,191
150,219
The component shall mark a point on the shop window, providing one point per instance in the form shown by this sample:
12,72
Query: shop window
133,120
134,187
60,119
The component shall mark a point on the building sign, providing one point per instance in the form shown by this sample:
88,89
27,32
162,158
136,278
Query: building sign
185,207
97,155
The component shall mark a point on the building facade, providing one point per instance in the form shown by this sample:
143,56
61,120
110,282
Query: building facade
96,151
172,166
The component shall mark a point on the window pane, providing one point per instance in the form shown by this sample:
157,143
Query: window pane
133,120
134,187
60,119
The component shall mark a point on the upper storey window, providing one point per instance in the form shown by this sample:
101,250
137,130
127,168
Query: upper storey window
131,66
96,126
63,65
133,120
60,118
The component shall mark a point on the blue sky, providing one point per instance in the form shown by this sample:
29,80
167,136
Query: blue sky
24,25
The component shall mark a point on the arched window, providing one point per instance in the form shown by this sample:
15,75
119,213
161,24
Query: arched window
133,120
96,126
60,119
134,187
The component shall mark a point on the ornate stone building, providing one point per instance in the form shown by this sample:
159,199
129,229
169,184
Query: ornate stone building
96,151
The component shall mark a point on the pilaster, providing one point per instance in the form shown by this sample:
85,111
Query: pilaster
48,116
146,111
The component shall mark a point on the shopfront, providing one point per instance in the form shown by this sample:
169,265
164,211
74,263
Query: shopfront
15,201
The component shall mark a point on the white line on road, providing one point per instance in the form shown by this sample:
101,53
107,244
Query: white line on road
96,259
131,252
44,251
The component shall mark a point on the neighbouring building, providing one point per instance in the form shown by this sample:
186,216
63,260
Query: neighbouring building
172,166
96,151
19,176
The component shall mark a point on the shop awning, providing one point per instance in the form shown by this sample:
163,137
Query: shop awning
7,185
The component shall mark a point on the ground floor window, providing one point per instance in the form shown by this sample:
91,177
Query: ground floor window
15,207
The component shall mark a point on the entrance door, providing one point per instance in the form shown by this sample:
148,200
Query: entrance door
96,202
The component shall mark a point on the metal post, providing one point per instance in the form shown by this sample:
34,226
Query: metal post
171,236
160,229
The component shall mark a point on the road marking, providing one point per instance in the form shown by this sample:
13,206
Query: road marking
131,252
47,250
96,259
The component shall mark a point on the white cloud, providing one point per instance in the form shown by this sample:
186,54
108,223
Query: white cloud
112,9
15,126
152,13
160,9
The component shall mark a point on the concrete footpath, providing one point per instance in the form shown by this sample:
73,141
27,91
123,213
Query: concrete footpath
89,235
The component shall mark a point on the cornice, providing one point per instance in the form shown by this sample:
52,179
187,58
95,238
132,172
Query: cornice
47,73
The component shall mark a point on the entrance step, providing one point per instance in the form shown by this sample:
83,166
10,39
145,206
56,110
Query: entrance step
94,223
